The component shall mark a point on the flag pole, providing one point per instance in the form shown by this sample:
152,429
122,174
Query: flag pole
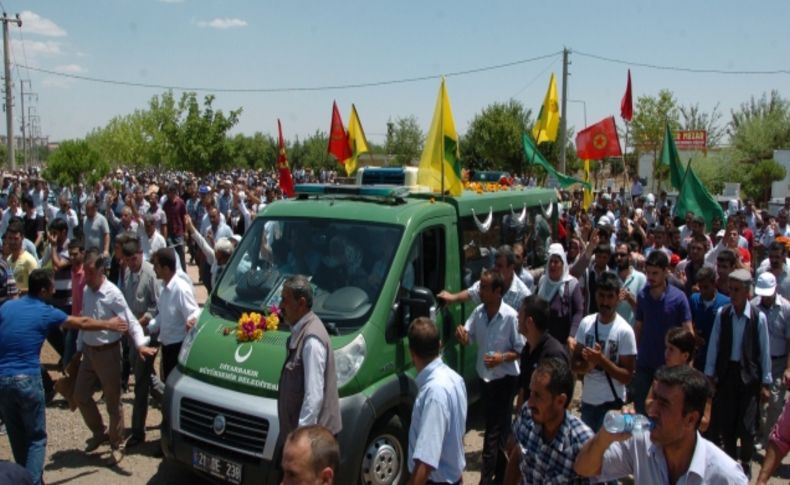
682,186
441,127
625,163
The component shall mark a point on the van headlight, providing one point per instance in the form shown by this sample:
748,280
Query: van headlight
348,360
186,345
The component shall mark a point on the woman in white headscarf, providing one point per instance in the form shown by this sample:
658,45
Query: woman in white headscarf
563,293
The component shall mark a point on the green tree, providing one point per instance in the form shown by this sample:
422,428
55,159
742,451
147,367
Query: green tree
758,180
650,117
404,140
696,119
494,137
256,151
75,161
200,142
760,126
312,152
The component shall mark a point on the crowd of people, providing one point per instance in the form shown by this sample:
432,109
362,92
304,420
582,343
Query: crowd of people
682,320
655,315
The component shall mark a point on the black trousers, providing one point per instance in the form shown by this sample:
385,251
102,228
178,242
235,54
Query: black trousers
735,413
146,383
169,359
498,397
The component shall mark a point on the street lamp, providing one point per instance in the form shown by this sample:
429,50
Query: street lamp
584,105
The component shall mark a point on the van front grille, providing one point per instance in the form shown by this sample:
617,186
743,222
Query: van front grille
242,432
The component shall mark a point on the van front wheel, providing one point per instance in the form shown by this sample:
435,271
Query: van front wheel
384,462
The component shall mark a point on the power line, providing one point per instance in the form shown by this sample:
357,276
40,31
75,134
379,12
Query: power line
24,52
682,69
537,76
293,88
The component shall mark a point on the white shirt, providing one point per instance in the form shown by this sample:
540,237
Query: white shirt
639,457
616,339
7,215
513,296
314,362
498,334
103,304
152,244
176,305
778,316
71,220
738,327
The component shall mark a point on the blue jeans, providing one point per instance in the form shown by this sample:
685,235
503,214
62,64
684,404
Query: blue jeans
23,410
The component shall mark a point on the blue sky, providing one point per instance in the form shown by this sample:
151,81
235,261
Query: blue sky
235,44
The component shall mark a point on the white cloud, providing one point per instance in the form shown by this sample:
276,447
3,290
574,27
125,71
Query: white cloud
69,68
34,47
33,23
222,23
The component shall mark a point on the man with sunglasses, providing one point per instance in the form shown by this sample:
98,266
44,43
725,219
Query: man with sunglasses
631,279
139,288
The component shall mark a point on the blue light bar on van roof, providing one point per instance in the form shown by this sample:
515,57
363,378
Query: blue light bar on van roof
384,192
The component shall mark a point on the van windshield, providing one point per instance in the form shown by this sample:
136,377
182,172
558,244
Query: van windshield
346,262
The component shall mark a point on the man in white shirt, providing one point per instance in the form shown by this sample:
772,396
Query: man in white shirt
151,240
514,291
13,210
177,310
101,351
605,354
673,451
67,213
493,326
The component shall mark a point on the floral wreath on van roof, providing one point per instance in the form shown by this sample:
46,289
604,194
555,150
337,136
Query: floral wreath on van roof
481,187
251,326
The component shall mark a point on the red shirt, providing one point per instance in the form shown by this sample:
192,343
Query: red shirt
175,212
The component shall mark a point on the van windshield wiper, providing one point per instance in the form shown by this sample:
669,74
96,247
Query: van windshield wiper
224,309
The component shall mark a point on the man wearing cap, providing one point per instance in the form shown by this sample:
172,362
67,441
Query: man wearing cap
739,364
777,311
776,264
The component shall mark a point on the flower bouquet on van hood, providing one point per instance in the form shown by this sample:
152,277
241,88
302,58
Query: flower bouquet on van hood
251,326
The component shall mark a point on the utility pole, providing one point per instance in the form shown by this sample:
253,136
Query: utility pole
563,124
25,144
9,102
34,123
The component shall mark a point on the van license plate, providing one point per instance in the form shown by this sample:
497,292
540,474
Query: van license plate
215,466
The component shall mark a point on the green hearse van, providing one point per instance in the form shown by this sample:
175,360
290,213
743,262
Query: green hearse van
376,255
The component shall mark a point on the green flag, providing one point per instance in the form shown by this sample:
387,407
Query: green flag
534,157
695,197
669,156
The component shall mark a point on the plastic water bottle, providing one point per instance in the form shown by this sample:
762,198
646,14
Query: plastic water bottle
617,422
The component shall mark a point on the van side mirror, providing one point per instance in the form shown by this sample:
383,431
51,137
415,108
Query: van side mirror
421,303
410,304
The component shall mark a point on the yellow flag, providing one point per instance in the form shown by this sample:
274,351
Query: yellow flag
440,165
548,122
588,195
356,140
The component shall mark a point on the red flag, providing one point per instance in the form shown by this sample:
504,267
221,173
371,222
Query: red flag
627,103
286,181
598,141
338,138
